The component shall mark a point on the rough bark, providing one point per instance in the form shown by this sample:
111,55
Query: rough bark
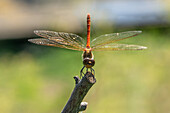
75,104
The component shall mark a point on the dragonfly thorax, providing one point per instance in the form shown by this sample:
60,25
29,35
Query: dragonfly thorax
87,53
88,59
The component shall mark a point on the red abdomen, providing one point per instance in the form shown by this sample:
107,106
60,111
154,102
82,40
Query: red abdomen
88,31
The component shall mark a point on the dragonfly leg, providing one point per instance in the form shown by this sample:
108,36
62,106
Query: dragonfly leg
92,71
82,72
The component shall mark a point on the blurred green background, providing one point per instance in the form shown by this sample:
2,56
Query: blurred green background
39,79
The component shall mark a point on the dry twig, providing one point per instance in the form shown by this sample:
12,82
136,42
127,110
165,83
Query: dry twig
75,104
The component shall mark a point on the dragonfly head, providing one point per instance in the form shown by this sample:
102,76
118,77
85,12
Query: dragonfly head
88,62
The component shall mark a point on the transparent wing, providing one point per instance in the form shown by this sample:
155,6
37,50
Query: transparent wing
47,42
65,40
110,38
113,46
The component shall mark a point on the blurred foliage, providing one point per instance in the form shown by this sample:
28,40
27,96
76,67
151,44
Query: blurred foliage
39,79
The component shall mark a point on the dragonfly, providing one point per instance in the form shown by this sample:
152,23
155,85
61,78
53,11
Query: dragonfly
74,42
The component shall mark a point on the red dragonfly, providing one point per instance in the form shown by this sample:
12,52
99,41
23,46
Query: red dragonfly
75,42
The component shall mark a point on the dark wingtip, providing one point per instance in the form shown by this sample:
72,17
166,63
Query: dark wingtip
30,40
139,31
143,47
36,31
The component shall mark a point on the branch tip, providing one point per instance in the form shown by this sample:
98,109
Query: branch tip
75,104
83,106
90,77
77,79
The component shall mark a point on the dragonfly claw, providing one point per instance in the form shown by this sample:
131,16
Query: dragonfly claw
92,71
82,73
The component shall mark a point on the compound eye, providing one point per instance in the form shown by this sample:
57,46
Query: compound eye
92,62
85,61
